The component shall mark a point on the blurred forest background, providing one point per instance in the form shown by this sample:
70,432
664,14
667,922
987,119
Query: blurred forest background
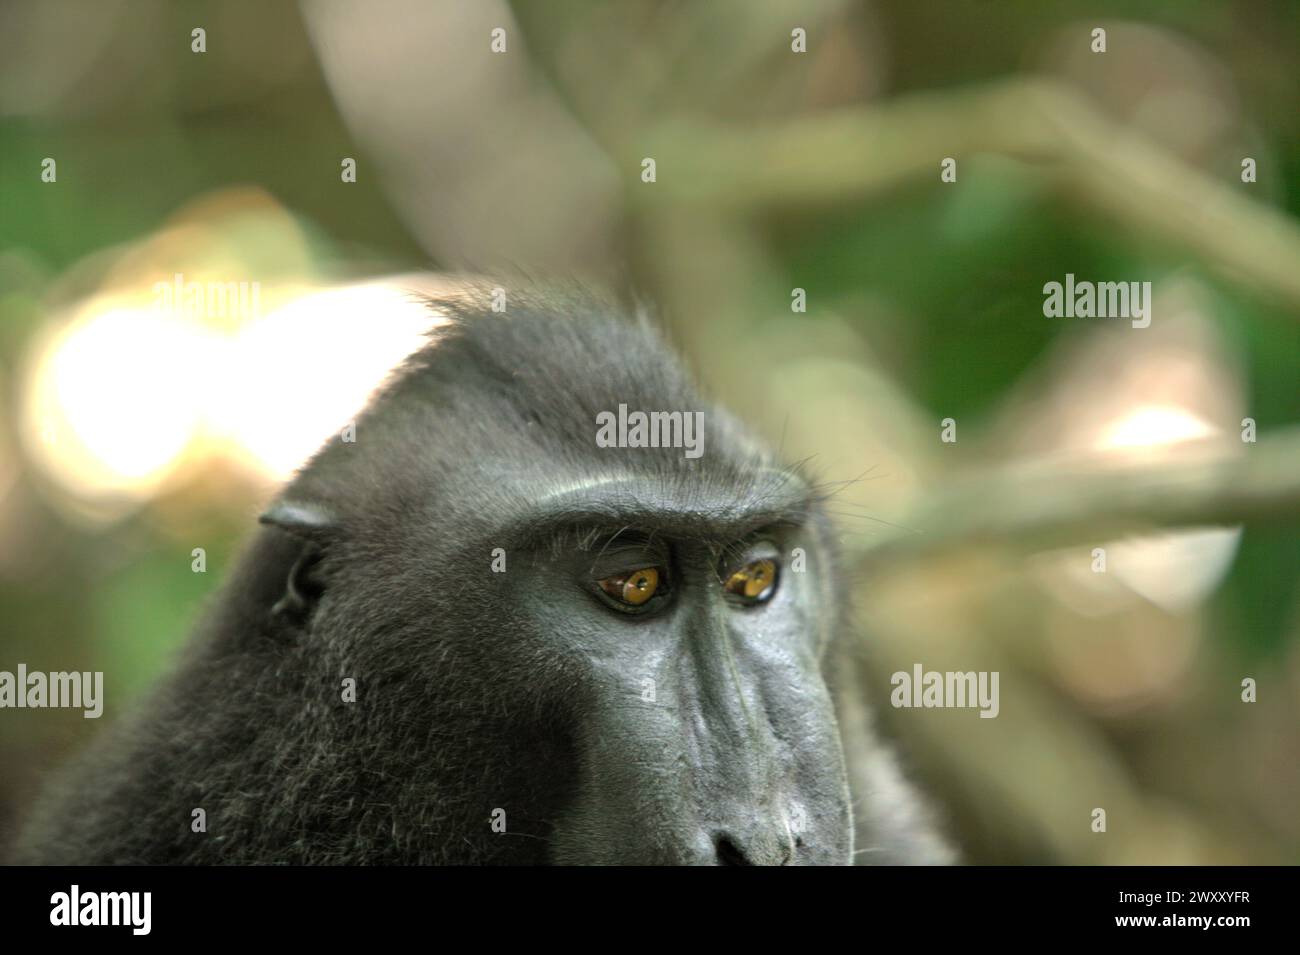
131,435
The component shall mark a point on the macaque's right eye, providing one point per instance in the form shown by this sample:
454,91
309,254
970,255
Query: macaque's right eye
632,589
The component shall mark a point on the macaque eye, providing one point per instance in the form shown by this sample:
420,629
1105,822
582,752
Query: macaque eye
755,582
632,589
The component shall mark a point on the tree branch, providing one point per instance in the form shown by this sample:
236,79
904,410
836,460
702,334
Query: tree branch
1101,165
1053,505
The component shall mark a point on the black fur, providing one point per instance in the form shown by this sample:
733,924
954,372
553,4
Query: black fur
518,691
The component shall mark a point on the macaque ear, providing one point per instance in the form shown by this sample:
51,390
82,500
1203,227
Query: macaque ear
303,519
313,526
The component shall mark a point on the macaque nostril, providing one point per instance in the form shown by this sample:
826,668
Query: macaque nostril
729,853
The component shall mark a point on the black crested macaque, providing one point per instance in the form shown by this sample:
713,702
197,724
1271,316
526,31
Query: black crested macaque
475,635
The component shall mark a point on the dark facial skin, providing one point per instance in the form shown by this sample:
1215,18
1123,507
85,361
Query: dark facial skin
515,715
704,731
